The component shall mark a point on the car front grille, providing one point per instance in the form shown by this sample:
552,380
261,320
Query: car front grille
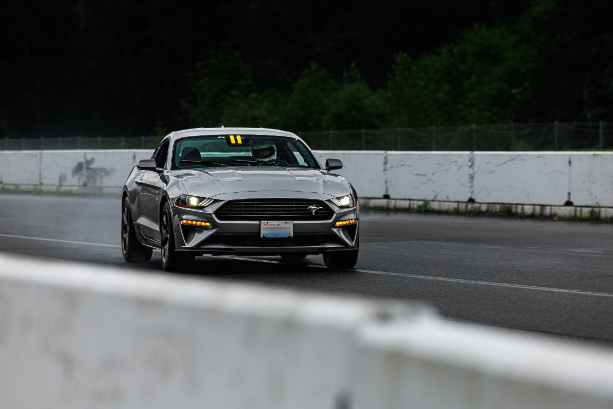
257,241
274,209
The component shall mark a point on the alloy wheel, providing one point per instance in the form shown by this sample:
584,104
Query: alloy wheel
125,229
165,238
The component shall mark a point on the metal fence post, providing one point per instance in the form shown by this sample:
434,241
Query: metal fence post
512,136
433,138
474,137
556,135
600,133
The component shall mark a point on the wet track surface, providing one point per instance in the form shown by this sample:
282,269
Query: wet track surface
554,277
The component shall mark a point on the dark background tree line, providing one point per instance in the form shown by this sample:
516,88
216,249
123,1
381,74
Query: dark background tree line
119,67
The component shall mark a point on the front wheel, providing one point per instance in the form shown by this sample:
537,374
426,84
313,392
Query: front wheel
132,250
341,259
172,260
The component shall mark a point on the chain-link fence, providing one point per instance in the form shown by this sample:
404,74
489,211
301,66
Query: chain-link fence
498,137
79,142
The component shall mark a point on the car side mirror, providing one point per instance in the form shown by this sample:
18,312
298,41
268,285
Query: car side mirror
332,164
147,164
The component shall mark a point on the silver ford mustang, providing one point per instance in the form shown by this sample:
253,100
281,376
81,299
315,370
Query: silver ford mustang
238,191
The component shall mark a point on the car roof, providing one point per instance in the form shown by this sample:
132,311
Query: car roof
186,133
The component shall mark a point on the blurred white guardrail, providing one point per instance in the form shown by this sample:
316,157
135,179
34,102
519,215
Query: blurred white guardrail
547,183
79,336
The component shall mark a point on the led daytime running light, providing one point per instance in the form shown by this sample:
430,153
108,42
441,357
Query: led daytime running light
346,222
196,223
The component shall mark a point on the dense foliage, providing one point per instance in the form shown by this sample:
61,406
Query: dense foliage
117,67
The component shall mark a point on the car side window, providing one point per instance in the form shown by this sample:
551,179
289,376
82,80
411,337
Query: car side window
161,154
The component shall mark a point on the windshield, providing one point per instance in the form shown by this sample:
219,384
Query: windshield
241,150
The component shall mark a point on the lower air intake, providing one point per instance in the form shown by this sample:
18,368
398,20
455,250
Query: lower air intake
256,241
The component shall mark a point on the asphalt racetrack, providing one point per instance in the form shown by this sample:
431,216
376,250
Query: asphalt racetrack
554,277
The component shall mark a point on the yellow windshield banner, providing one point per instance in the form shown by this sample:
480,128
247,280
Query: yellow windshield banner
236,140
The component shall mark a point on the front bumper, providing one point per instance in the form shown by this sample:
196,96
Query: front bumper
244,238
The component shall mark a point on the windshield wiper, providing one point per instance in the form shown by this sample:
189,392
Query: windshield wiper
203,162
247,161
273,162
276,163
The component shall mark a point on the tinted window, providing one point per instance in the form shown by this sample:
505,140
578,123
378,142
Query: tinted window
161,154
241,150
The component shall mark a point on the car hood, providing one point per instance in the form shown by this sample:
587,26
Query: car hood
213,182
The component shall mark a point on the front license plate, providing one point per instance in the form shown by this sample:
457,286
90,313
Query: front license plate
273,230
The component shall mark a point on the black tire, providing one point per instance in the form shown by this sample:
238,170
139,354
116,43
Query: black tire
293,256
172,260
341,259
132,250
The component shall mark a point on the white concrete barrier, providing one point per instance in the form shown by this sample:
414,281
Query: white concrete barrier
93,171
441,176
88,169
432,363
591,179
21,169
540,179
365,169
78,336
448,179
527,177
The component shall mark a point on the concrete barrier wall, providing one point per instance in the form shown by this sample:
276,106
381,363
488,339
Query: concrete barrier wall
591,179
432,176
22,169
78,336
367,169
527,178
79,171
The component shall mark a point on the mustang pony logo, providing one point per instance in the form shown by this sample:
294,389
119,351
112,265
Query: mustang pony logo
314,209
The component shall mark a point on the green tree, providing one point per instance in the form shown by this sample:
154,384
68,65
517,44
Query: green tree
215,83
480,78
409,100
308,101
353,104
253,109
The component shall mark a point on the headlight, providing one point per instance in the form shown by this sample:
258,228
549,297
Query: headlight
193,201
344,201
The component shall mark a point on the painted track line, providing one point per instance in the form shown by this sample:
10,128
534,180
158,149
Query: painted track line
59,241
489,283
387,273
452,280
